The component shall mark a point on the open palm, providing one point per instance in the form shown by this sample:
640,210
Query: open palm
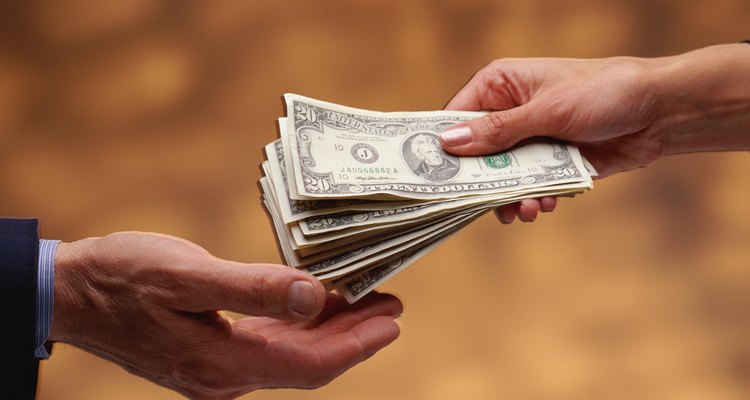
152,305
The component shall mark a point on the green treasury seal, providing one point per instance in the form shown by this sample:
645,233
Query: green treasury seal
497,161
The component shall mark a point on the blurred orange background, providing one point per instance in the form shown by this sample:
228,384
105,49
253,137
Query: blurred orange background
151,115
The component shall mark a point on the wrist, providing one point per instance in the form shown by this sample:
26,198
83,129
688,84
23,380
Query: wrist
66,281
704,99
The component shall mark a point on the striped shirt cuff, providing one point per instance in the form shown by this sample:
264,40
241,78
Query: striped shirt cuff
45,295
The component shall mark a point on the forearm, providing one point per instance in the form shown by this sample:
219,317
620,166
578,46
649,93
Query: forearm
704,99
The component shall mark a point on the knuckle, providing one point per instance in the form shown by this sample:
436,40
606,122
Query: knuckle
490,128
255,297
495,122
499,75
487,70
492,72
496,64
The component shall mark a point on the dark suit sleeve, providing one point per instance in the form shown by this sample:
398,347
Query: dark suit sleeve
19,250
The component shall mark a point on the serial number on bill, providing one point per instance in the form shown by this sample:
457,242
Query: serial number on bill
369,170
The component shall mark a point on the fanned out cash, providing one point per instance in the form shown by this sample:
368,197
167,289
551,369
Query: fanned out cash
355,196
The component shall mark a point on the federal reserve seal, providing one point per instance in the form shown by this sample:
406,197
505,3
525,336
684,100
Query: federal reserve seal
364,153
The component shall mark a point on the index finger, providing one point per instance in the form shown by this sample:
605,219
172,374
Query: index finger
466,99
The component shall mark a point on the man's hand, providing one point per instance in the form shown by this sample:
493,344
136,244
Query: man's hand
150,303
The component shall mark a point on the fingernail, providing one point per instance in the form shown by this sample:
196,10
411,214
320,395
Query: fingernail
301,297
457,136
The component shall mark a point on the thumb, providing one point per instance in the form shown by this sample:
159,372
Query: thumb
491,133
275,291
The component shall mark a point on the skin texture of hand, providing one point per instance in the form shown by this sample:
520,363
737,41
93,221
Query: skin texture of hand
622,112
150,302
